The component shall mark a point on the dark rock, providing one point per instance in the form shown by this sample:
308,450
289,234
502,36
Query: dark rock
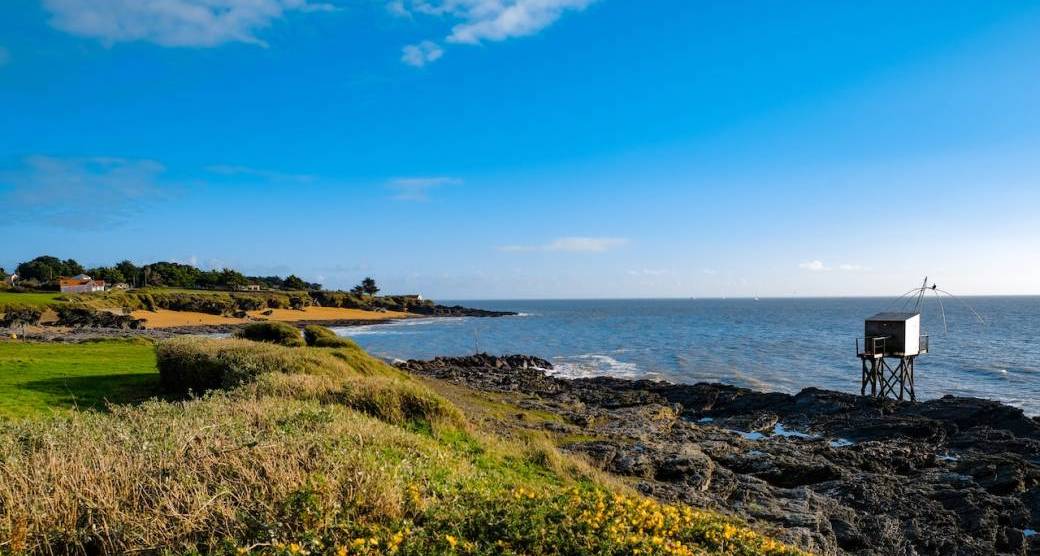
844,474
457,311
89,318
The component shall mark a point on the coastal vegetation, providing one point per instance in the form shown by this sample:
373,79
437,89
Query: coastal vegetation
200,295
366,287
44,270
297,450
320,336
274,332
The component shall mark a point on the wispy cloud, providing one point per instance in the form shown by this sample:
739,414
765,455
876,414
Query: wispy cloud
571,245
5,56
817,265
648,272
814,265
489,20
179,23
266,175
398,8
209,23
418,189
419,55
89,192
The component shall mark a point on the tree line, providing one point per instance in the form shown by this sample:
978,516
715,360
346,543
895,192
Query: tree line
43,272
46,270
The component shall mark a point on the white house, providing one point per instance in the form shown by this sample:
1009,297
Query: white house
81,284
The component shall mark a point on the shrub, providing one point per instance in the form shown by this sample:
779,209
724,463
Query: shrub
276,302
272,332
320,336
18,316
388,399
249,302
200,364
87,317
299,302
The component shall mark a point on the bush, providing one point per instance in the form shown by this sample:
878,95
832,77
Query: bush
193,364
19,316
388,399
272,332
319,336
249,302
87,317
277,303
148,302
299,302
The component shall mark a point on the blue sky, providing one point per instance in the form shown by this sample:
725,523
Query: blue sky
530,148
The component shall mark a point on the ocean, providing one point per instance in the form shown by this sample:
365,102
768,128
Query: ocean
780,345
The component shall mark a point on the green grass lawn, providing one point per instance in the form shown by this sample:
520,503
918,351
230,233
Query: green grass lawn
34,299
38,377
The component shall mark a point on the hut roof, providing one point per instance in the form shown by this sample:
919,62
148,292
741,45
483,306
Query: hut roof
893,316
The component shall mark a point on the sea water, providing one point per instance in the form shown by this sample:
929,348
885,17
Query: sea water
769,344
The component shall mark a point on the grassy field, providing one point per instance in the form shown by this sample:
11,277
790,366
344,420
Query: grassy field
33,299
301,450
38,377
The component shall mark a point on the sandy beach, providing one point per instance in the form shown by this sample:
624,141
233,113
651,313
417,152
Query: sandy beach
164,318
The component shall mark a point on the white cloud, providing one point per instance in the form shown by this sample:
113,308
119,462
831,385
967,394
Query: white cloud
418,189
818,266
5,56
571,245
494,20
815,266
488,20
419,55
88,192
189,23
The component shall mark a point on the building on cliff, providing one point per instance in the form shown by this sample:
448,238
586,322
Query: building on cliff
81,283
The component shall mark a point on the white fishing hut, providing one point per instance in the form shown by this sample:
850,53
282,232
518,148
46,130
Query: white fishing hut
895,336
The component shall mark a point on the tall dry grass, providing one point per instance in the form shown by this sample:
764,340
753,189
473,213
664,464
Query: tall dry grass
194,364
189,476
316,450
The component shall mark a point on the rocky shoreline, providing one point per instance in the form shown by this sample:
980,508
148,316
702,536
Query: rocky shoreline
830,472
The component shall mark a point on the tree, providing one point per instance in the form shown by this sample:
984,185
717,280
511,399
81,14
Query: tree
47,269
367,287
109,274
129,271
232,279
173,275
294,282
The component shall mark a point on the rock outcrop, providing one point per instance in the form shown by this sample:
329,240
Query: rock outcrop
456,311
85,317
827,471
